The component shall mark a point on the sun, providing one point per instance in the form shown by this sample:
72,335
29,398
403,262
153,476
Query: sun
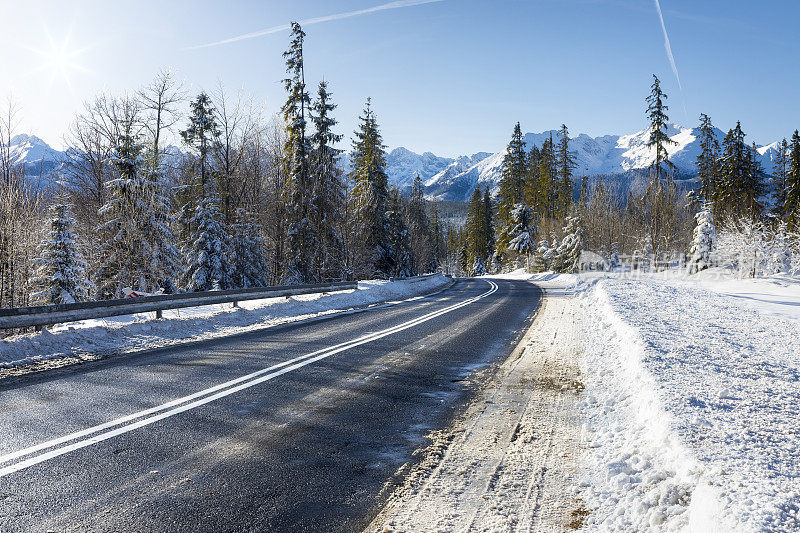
60,60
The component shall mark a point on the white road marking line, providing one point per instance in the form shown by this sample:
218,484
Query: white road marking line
230,387
107,425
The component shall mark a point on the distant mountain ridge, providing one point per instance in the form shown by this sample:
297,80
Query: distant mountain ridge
623,157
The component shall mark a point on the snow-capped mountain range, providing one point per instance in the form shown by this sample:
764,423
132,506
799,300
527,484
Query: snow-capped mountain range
620,156
617,156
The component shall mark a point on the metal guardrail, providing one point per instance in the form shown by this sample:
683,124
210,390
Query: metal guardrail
414,279
45,315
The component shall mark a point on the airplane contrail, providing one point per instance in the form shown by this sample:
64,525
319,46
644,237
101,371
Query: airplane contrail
316,20
667,45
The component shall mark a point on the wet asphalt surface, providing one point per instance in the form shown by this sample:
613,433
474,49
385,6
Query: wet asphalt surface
310,450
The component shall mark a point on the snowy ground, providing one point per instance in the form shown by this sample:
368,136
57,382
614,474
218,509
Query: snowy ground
90,339
689,392
691,403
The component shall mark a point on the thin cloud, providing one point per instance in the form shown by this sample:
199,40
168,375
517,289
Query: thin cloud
316,20
667,46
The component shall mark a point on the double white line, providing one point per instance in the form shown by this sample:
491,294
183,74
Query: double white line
99,433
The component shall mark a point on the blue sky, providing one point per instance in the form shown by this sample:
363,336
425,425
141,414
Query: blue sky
450,76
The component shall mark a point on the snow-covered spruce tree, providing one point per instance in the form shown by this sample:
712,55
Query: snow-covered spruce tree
522,240
60,276
207,256
369,198
139,249
303,240
568,255
541,258
703,242
512,186
329,188
201,135
122,240
156,225
780,253
248,263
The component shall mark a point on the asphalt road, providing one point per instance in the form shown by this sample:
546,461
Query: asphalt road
293,428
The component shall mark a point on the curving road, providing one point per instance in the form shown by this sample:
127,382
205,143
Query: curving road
293,428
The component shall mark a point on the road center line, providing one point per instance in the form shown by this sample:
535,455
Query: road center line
208,395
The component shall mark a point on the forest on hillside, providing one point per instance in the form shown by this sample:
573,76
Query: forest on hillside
259,201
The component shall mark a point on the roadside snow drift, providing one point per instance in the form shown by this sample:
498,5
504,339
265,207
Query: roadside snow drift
691,408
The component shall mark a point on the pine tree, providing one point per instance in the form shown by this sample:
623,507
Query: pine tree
370,197
534,192
780,172
707,161
248,263
207,256
61,274
741,177
201,134
420,230
704,240
138,250
488,223
566,164
476,234
329,188
548,180
512,185
399,249
522,241
568,254
780,261
300,209
118,249
659,140
793,182
156,226
438,242
541,258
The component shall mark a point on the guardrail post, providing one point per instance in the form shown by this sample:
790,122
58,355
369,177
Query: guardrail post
235,305
159,314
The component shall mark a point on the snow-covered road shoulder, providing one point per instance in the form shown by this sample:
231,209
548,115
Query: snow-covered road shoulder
508,464
92,339
690,408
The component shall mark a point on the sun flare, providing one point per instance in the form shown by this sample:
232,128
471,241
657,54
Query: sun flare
60,60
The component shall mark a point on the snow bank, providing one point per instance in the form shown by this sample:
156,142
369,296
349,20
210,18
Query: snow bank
89,339
691,408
